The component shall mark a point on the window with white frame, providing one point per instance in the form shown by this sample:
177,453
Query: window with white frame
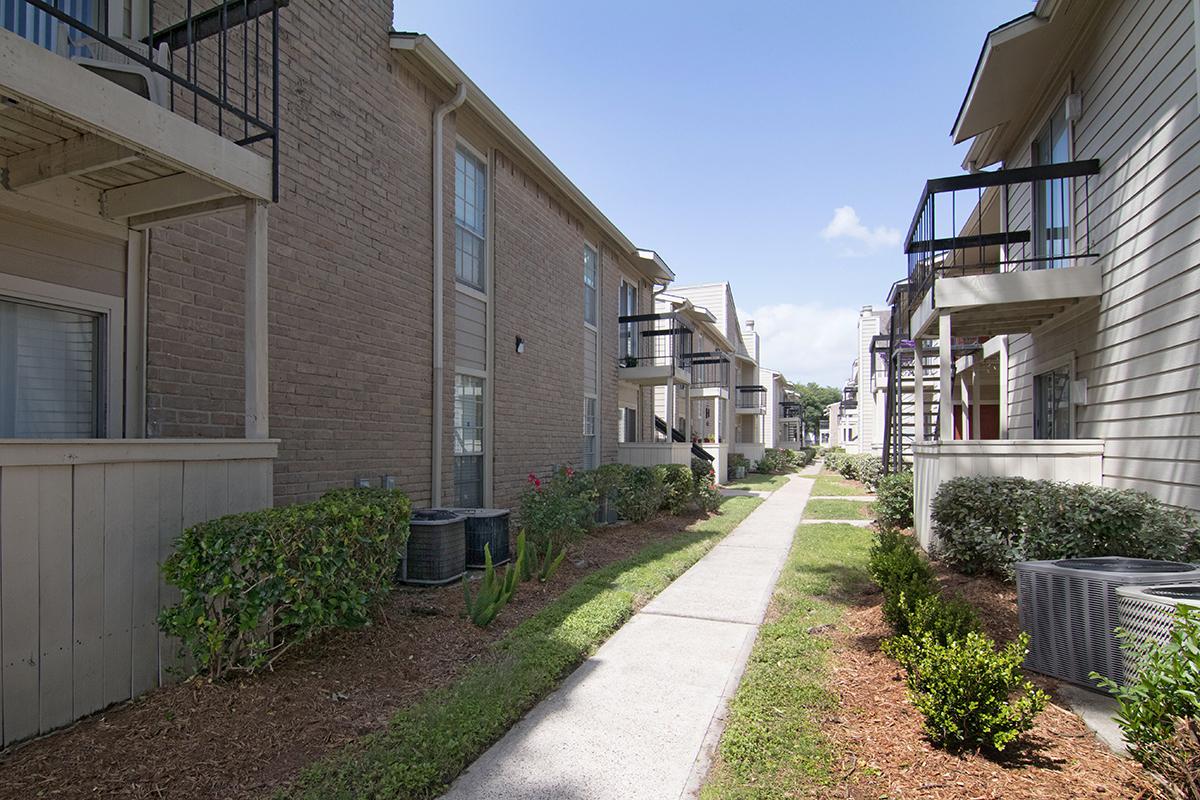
470,224
1052,404
589,433
627,428
1052,198
591,278
51,372
468,440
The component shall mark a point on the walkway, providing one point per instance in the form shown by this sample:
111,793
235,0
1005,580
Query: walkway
640,718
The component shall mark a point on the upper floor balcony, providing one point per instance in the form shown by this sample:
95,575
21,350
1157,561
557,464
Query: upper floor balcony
751,399
138,115
1002,251
710,372
654,348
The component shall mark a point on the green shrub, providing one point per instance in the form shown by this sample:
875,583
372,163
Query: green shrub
985,524
971,693
932,618
641,494
904,576
252,585
606,481
862,467
558,510
707,497
1160,705
774,462
836,460
894,500
679,487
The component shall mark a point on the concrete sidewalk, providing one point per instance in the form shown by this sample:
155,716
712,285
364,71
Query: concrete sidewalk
641,717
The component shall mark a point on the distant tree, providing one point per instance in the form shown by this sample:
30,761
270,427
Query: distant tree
814,399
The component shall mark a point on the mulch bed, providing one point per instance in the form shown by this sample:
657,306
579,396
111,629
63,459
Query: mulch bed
885,753
242,739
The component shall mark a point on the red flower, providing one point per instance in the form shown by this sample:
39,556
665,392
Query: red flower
532,478
570,472
537,484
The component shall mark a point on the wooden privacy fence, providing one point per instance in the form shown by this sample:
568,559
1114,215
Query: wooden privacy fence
84,526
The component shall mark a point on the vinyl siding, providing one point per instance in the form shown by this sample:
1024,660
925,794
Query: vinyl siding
1139,347
470,331
52,253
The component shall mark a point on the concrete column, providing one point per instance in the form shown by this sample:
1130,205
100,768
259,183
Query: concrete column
687,413
945,363
257,386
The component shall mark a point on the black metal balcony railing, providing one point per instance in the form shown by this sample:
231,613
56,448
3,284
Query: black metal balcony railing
709,369
215,62
653,340
961,225
751,396
791,410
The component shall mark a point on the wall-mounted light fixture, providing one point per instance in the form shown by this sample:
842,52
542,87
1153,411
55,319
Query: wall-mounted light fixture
520,345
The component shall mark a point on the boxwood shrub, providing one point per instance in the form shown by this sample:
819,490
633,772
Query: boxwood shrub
642,494
253,585
985,524
775,461
894,500
679,487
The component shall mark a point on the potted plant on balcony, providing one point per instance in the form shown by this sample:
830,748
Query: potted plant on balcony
629,361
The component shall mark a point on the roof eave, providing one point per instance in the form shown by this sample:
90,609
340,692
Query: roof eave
422,47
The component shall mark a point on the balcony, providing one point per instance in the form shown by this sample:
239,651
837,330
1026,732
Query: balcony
750,399
135,119
710,373
654,349
1003,251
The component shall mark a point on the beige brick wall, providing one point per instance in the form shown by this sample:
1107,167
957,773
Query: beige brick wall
351,292
349,256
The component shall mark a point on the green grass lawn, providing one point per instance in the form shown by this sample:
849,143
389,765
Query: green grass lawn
756,482
830,483
839,509
429,743
773,746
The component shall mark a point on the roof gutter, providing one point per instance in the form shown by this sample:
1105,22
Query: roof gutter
434,59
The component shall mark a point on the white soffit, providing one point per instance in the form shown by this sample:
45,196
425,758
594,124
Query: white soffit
1018,60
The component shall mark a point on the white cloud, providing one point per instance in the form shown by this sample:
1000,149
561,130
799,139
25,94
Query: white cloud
847,227
808,342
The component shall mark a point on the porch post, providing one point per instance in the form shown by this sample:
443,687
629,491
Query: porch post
945,396
1003,387
669,411
256,320
687,414
964,406
976,431
919,395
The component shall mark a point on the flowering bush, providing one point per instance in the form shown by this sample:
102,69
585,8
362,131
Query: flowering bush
559,509
704,484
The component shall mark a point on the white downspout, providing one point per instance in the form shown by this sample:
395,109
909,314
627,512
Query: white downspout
439,117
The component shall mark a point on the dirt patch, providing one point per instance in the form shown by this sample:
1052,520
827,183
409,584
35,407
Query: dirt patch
241,739
885,753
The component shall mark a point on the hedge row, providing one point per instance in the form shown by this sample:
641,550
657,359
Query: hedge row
253,585
561,508
862,467
985,524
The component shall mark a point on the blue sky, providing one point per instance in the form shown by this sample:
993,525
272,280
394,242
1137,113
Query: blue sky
778,145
